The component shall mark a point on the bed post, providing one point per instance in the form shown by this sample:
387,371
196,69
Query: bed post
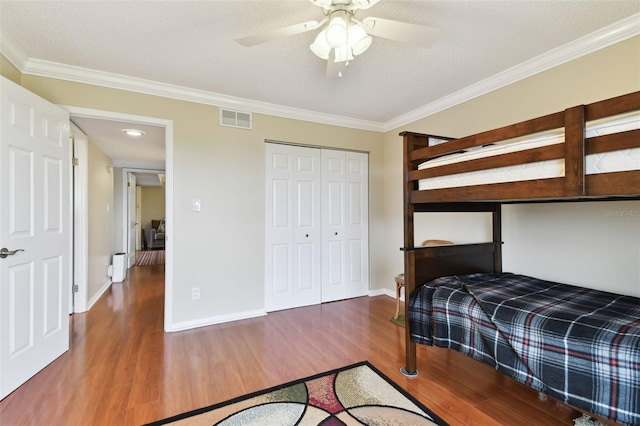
574,151
410,369
496,215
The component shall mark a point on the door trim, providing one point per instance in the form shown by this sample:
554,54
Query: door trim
168,126
125,201
80,193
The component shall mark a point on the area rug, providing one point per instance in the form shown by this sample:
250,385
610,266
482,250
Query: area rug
149,258
354,395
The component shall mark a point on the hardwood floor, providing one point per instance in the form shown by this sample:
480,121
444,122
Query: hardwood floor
123,369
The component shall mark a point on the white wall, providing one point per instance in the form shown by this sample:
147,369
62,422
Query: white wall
151,204
574,243
595,245
117,241
100,219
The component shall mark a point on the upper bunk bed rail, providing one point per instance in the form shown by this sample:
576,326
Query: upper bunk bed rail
574,184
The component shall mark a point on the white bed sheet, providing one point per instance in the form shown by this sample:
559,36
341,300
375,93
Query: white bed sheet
614,161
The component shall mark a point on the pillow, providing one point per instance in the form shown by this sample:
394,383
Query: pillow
161,227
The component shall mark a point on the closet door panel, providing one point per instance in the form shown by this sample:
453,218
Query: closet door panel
280,270
333,225
292,222
355,268
279,210
357,224
335,204
335,265
307,237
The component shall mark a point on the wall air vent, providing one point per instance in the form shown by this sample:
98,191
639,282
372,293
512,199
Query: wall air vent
229,118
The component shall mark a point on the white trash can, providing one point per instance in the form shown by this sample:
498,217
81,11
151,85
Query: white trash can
118,268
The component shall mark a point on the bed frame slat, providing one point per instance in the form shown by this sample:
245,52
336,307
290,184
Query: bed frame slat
508,191
615,183
536,125
614,142
542,153
614,106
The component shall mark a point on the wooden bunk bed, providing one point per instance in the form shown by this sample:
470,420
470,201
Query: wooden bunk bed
572,153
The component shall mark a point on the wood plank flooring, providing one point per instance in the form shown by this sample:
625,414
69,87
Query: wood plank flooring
123,369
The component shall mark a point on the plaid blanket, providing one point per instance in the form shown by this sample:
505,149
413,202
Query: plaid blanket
577,345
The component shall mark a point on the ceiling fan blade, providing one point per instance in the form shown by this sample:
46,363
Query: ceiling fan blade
415,35
291,30
346,4
364,4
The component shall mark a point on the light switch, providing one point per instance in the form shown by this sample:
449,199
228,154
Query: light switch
196,205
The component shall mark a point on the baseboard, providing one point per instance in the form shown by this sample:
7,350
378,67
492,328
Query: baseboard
386,292
218,319
99,294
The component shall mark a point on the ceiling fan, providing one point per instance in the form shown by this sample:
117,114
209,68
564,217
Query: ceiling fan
344,37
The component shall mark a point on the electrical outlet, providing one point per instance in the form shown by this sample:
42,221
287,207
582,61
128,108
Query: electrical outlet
195,293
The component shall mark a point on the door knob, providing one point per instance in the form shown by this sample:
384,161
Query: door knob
4,252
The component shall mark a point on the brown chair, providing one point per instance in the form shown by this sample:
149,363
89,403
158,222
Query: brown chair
400,277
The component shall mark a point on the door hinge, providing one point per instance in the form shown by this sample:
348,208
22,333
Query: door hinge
74,288
75,161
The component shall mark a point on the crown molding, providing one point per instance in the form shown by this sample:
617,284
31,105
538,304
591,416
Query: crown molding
77,74
615,33
12,52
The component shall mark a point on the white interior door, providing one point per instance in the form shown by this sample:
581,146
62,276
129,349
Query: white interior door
345,225
357,224
132,219
35,216
333,225
293,238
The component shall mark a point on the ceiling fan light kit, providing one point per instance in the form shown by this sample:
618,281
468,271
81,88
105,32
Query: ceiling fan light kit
337,29
344,37
359,39
321,46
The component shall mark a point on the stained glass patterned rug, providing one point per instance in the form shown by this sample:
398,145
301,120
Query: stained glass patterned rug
354,395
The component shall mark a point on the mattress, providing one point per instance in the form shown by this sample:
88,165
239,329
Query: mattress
607,162
578,345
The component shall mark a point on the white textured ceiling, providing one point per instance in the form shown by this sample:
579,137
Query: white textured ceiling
192,44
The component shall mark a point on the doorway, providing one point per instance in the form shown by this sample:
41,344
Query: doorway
108,117
147,212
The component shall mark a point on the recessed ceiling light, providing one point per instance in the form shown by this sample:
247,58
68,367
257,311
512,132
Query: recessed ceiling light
133,132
